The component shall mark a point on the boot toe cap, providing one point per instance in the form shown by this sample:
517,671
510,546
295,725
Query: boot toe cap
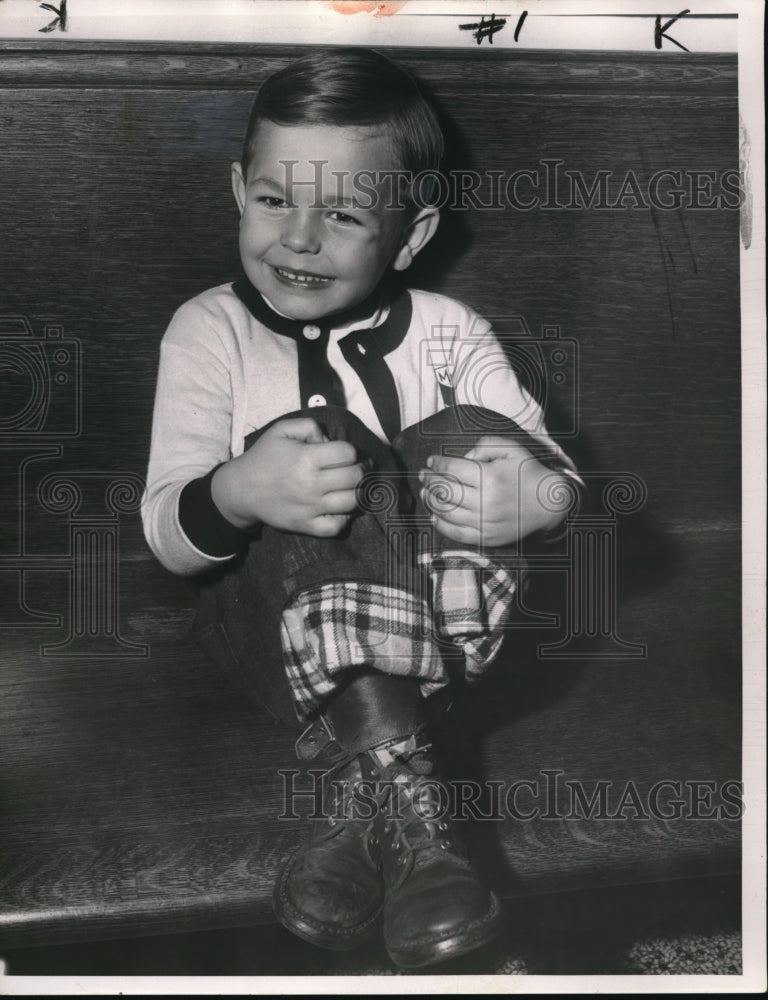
439,918
328,907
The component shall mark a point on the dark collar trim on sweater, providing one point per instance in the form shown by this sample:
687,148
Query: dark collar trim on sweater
363,349
258,307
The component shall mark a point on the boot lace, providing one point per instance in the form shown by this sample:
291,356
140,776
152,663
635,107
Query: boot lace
411,804
341,806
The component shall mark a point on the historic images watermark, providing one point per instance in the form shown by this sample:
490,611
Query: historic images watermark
550,795
549,184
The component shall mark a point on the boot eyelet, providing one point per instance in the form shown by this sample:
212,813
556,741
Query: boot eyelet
442,825
444,846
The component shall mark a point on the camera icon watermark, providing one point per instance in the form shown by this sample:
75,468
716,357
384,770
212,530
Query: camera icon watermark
510,374
42,381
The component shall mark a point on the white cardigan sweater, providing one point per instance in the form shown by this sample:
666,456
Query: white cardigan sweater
224,374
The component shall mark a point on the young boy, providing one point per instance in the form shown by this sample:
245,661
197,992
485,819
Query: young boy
305,417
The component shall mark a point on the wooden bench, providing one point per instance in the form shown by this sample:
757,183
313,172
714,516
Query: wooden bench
141,793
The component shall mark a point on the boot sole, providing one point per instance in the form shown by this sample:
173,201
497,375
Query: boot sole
309,931
432,952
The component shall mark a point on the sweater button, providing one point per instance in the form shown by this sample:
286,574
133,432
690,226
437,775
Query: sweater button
316,400
311,332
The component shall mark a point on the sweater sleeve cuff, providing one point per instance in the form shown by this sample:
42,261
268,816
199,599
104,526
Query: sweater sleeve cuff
204,524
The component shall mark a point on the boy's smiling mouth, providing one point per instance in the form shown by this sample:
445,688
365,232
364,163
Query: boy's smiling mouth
304,278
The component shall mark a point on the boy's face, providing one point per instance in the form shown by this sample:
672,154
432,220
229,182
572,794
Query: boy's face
317,232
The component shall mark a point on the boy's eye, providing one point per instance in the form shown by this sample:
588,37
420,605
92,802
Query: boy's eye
272,201
344,218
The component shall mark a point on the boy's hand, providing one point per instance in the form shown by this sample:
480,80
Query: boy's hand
293,478
497,493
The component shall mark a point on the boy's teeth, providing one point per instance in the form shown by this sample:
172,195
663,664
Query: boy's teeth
309,279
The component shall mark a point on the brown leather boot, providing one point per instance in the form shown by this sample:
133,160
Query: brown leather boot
385,808
436,907
331,892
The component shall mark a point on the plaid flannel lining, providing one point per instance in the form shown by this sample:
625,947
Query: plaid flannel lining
341,624
471,601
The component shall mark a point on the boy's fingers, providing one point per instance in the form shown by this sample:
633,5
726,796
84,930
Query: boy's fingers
339,502
481,453
301,429
458,516
448,491
335,453
463,469
344,477
440,496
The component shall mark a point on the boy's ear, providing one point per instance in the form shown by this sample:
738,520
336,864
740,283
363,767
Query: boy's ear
418,233
238,185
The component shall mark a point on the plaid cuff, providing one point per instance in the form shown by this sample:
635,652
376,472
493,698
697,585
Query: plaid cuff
339,625
471,601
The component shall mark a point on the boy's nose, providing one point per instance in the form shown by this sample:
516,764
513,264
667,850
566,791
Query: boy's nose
301,232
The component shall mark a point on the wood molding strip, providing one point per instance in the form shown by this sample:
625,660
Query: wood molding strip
233,67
